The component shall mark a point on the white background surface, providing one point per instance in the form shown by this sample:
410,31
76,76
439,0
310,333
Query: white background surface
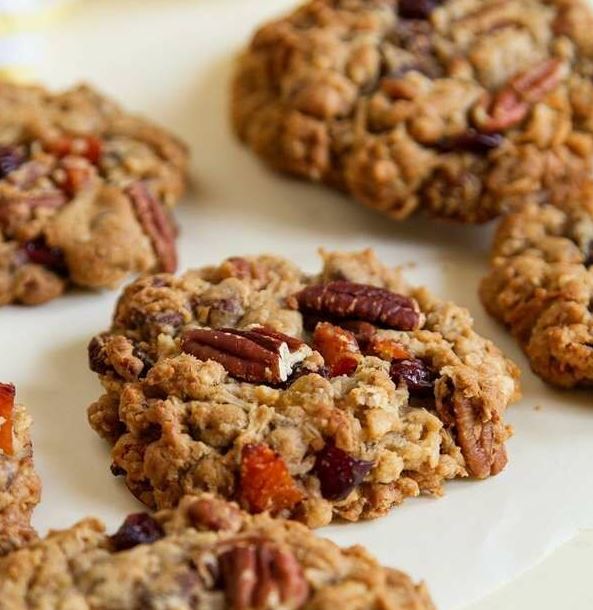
172,60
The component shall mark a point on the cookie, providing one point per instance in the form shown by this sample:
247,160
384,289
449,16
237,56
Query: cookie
317,397
458,107
85,193
541,287
20,487
206,554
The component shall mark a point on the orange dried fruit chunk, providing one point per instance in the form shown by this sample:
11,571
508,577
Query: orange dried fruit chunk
266,484
338,347
388,349
6,414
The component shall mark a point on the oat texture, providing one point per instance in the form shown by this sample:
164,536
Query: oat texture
206,554
366,418
541,286
20,487
85,193
459,107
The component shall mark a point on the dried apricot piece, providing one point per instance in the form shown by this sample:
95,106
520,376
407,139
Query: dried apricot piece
7,393
338,347
388,349
266,484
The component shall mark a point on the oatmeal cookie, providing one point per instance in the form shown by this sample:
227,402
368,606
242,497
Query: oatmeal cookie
20,487
317,397
85,193
541,286
460,107
206,554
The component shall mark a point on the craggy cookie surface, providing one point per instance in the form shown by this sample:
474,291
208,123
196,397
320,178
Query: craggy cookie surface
84,193
20,487
541,286
206,554
461,107
333,396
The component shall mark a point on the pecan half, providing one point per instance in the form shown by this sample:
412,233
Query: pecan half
258,574
156,223
475,436
508,107
343,299
257,355
7,393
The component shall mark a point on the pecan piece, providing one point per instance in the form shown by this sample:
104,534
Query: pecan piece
258,355
156,223
338,347
474,435
258,574
214,514
7,393
343,299
265,483
508,107
386,349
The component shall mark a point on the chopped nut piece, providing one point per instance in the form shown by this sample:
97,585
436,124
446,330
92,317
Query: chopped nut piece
157,224
511,104
7,393
343,299
257,355
258,574
338,347
387,349
266,484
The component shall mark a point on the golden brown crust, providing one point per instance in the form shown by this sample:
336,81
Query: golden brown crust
72,166
81,566
541,286
20,487
462,112
178,424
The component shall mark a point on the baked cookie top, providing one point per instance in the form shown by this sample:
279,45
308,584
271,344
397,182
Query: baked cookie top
320,397
20,487
541,286
460,107
208,554
84,193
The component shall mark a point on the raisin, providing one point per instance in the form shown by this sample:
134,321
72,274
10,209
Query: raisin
50,257
471,141
10,160
338,472
415,374
416,9
266,484
139,528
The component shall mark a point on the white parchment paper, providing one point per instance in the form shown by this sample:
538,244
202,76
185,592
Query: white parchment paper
172,60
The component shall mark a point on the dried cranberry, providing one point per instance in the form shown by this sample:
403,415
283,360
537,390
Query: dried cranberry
40,253
415,374
11,158
588,262
471,141
117,471
416,9
338,472
139,528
